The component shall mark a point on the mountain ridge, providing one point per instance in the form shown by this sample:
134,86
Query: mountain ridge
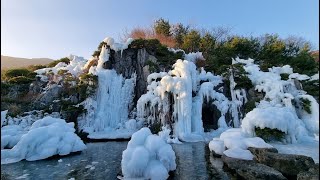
8,62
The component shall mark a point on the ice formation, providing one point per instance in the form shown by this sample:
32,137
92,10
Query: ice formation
178,98
75,67
238,99
314,77
46,137
276,110
234,143
113,102
3,117
193,56
147,157
11,135
281,118
117,46
14,127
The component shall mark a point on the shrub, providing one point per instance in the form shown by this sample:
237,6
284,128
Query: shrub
11,73
20,80
284,76
54,63
62,71
311,87
14,110
306,104
153,67
269,134
88,77
36,67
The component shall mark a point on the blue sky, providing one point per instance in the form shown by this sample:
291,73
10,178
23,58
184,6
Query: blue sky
58,28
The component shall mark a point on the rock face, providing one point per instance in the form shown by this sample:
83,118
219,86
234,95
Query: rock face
52,93
244,169
133,61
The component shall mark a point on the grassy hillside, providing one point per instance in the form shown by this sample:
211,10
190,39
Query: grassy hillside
8,62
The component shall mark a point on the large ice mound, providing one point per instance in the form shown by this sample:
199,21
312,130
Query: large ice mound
47,137
147,156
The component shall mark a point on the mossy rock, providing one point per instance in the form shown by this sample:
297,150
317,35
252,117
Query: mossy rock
284,76
306,104
249,106
155,127
269,134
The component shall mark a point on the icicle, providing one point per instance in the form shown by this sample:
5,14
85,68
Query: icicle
234,107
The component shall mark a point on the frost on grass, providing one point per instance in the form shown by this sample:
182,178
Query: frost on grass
147,156
46,137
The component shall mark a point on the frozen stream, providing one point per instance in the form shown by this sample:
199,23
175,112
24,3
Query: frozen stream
103,161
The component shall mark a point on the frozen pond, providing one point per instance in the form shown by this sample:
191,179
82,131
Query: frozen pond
102,160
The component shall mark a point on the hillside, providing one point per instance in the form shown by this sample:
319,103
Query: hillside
14,62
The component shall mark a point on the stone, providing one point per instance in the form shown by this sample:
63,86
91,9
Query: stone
214,154
260,151
52,93
250,170
297,84
288,164
311,174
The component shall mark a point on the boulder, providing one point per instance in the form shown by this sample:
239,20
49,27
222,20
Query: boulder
288,164
260,151
53,92
311,174
247,169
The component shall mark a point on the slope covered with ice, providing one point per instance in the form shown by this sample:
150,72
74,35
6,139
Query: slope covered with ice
178,98
46,137
147,157
109,119
282,107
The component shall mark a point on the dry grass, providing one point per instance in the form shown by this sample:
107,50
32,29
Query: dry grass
148,33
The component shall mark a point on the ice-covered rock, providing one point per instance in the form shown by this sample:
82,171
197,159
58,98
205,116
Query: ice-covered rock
178,98
234,143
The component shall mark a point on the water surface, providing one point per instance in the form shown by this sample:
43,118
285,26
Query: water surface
102,160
